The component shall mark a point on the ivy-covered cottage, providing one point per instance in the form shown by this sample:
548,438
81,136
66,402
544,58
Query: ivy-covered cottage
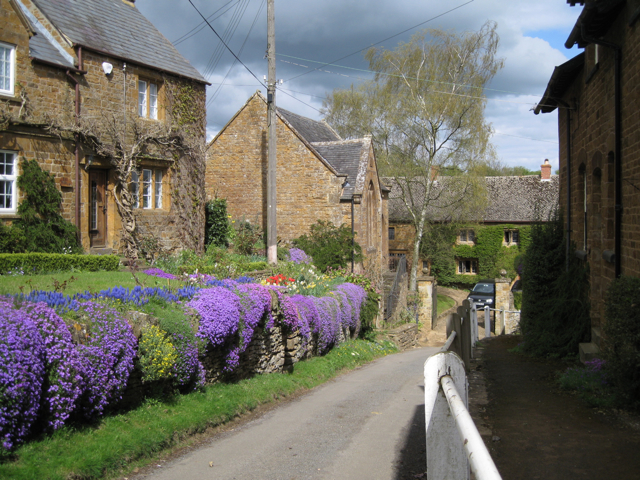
320,176
103,102
463,253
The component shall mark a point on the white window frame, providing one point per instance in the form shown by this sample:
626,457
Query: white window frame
135,188
11,180
149,197
147,99
157,191
11,67
147,188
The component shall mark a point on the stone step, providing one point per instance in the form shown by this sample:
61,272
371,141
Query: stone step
588,351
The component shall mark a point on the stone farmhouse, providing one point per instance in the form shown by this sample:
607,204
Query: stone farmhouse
514,202
320,176
75,75
597,96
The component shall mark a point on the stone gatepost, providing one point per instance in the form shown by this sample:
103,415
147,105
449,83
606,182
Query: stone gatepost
427,290
504,302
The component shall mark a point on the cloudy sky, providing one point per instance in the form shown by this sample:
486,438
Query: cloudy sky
312,33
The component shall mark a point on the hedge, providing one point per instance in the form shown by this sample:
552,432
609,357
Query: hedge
30,263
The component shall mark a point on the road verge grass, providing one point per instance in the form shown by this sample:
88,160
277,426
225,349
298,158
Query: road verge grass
117,442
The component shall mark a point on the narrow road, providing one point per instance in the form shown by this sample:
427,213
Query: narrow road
367,424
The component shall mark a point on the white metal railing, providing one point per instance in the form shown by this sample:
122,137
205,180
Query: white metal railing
453,442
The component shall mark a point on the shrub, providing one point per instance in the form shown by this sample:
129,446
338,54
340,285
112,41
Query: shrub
622,339
22,357
247,238
555,301
107,350
37,263
216,223
40,227
156,354
63,381
329,246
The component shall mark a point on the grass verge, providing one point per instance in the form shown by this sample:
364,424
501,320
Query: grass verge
118,442
445,303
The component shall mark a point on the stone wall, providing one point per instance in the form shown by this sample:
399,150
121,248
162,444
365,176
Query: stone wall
272,350
592,120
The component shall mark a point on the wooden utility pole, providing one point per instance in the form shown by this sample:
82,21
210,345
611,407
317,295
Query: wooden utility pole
272,232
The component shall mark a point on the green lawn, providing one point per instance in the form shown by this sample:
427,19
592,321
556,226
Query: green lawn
445,303
78,282
117,444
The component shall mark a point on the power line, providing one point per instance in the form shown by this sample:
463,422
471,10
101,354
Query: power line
227,46
202,24
215,94
388,38
526,138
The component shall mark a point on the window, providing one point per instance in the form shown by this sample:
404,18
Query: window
7,68
466,236
147,99
134,188
467,266
511,237
392,233
8,181
151,189
394,259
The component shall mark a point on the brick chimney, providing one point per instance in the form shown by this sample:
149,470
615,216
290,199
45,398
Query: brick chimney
434,172
545,171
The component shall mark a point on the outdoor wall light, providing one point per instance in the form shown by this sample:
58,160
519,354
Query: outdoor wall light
107,68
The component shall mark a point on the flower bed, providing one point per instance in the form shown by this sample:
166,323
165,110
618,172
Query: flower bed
64,357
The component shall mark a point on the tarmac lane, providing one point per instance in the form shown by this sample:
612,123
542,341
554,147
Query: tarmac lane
366,424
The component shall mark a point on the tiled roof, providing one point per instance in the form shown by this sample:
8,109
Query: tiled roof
311,130
40,48
116,28
344,156
510,199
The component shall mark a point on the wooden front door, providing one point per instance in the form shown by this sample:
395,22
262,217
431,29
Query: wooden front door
97,207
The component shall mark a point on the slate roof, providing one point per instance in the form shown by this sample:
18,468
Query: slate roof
311,130
40,48
523,199
115,28
344,156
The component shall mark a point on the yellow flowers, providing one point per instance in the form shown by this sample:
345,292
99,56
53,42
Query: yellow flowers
157,355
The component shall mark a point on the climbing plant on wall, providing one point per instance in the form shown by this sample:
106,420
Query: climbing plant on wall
488,250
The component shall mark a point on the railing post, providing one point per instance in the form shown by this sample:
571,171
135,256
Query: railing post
446,456
474,320
487,321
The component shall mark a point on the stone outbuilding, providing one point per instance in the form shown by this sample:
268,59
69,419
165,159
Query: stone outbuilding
101,64
597,97
320,176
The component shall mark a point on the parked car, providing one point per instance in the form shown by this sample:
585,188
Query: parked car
483,293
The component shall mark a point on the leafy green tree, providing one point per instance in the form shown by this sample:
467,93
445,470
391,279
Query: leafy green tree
329,246
40,227
425,112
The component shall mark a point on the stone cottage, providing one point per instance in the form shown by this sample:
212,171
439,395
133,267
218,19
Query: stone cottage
512,201
597,97
320,176
83,81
